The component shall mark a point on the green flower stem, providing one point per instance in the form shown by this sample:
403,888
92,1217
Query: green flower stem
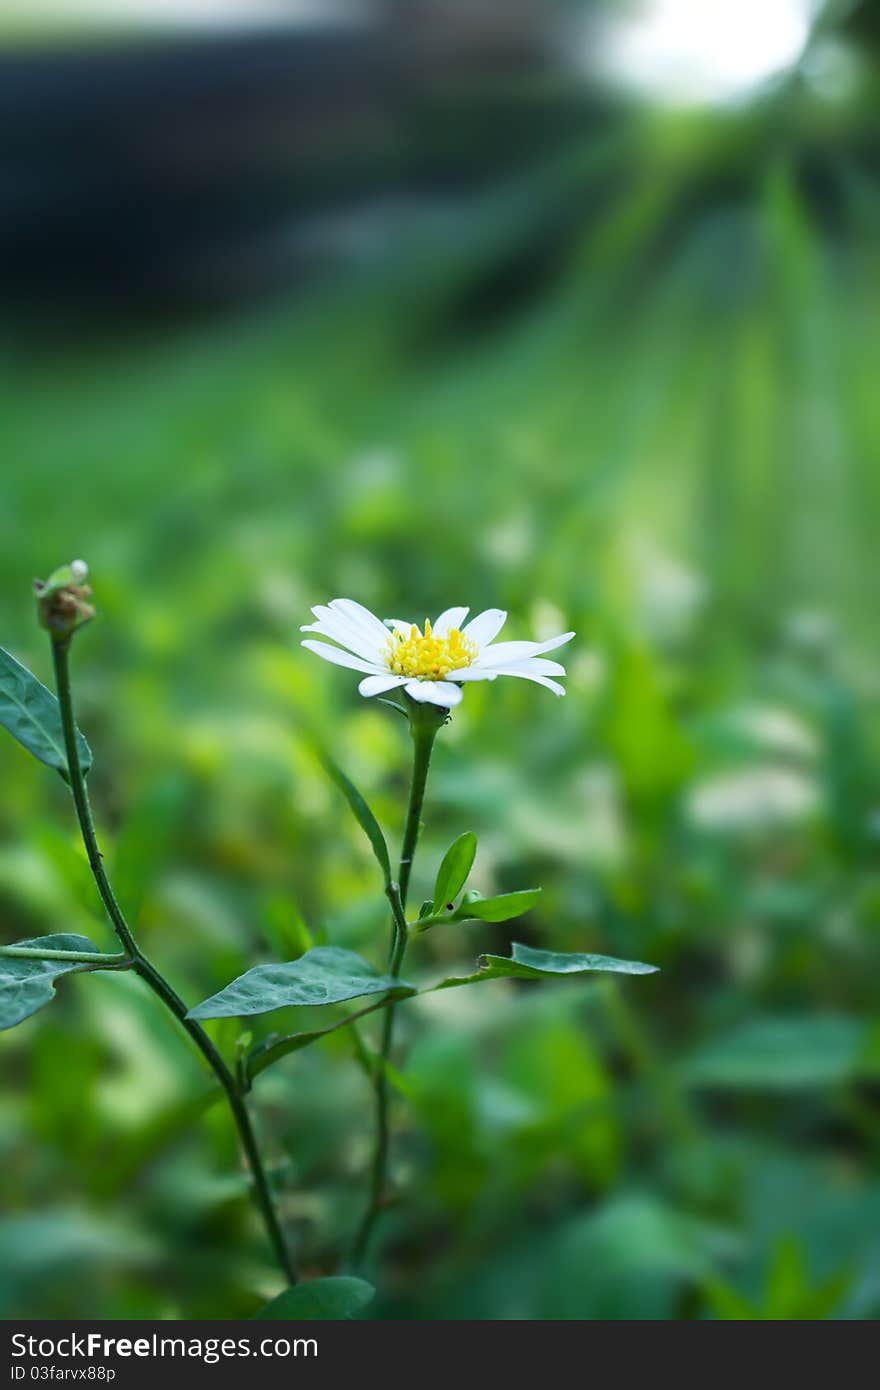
99,959
425,721
153,977
424,727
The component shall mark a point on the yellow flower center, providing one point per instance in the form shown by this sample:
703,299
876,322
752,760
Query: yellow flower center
426,657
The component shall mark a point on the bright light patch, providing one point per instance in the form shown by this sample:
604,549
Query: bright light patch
694,52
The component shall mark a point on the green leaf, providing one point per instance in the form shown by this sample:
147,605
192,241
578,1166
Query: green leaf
27,984
728,1304
453,872
530,962
324,975
500,908
788,1294
527,963
629,1256
32,715
784,1052
362,813
338,1297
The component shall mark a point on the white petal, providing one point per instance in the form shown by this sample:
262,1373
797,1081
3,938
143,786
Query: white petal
505,653
434,693
527,674
399,625
485,627
472,673
449,618
526,670
340,658
339,629
377,685
361,617
538,665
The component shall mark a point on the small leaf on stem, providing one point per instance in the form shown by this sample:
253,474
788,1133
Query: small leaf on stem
454,869
528,963
499,908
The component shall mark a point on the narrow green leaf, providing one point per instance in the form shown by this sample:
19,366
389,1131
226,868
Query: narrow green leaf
336,1298
453,872
528,963
500,908
26,985
820,1303
400,1083
324,975
530,960
392,704
362,813
32,715
273,1048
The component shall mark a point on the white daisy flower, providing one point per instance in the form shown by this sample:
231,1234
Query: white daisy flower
431,664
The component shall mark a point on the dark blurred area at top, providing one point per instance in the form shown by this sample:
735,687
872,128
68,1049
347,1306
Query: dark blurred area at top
199,165
172,170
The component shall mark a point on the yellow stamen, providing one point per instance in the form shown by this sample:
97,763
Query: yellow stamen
426,657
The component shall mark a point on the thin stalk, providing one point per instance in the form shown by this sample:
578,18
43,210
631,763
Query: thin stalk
99,959
153,977
261,1059
424,731
61,658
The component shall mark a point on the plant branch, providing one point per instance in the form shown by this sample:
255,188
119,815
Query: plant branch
423,728
149,973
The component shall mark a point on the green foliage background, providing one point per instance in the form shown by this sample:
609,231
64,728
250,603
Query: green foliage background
669,444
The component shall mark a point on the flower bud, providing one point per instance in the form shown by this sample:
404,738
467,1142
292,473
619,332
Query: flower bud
62,599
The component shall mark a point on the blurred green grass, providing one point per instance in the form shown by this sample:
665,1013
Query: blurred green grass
671,447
